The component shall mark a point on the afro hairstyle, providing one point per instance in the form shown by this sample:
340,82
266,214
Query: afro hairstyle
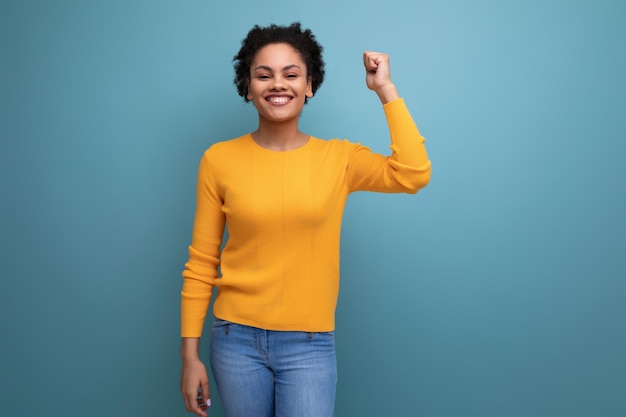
302,40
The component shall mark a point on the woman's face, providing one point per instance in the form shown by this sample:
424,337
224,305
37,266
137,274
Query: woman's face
278,83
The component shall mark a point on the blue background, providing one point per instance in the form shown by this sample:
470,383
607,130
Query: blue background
498,291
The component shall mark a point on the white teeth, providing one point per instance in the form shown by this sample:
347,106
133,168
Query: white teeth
278,100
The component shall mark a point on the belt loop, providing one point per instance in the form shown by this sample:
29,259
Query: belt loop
227,329
310,335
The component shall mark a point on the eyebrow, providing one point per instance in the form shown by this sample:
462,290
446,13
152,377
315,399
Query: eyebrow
265,67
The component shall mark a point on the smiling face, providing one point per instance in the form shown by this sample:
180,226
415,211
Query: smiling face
278,83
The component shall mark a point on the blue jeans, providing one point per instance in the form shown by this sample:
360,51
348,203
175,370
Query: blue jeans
264,373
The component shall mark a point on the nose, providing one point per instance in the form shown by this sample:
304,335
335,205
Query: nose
278,83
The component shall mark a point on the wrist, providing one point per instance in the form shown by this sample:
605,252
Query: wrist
387,93
189,357
189,349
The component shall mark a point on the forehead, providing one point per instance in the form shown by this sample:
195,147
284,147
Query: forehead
277,55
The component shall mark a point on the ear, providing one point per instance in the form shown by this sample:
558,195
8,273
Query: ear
309,88
249,95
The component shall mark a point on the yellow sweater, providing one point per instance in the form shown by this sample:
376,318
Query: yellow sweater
279,269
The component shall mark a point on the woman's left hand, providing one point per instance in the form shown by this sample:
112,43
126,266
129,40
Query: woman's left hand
378,75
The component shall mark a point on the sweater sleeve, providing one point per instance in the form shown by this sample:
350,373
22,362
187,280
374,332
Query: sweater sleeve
204,253
407,169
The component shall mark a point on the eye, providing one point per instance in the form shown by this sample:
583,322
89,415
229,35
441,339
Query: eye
291,76
263,77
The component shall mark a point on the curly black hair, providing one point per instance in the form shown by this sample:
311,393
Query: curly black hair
301,40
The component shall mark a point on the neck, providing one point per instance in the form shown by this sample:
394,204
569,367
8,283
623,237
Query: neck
279,136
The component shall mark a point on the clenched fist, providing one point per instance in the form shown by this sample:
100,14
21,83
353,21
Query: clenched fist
378,75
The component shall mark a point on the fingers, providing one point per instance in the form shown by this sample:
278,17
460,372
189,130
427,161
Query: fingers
372,60
201,400
195,403
204,396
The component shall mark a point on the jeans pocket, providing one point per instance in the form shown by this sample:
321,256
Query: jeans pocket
219,324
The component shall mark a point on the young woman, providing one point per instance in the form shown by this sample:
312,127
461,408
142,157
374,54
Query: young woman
281,194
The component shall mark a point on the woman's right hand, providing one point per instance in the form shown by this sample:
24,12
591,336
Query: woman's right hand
194,386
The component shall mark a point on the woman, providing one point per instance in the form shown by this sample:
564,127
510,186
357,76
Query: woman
281,193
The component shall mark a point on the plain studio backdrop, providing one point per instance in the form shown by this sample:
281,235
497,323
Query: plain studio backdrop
498,291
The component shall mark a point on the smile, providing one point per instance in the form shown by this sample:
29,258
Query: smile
279,99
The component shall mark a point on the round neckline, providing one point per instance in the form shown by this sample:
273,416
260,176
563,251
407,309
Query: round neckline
288,151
